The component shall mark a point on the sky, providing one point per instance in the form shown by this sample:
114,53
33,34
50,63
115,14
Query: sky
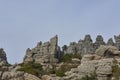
23,23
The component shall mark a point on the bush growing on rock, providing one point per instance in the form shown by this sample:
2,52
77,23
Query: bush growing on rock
32,68
116,70
68,57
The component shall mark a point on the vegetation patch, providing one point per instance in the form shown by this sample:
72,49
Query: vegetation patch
115,70
68,57
32,68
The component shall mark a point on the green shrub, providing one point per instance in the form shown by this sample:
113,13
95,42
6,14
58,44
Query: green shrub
68,57
60,73
115,70
31,68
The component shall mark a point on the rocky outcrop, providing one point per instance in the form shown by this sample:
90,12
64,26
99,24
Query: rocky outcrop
102,68
43,53
30,77
87,46
110,42
12,73
82,47
3,58
117,40
18,76
72,49
99,41
99,64
107,51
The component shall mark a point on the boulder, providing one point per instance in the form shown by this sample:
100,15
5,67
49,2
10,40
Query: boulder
107,51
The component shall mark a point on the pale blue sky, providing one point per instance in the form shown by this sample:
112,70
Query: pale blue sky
23,23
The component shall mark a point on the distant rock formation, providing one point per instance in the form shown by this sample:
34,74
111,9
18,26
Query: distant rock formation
3,58
43,53
50,51
110,42
87,46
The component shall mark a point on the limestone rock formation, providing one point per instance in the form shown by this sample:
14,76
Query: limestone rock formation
43,53
100,64
97,59
117,39
110,42
3,58
72,49
85,46
12,73
99,41
30,77
102,68
107,51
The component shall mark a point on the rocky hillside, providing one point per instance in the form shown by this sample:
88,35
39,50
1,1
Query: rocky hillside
82,60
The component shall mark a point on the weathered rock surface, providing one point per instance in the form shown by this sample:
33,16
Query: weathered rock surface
87,46
102,68
110,42
97,64
47,77
3,58
107,51
30,77
43,53
11,73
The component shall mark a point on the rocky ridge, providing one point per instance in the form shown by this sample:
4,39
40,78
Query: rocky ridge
97,58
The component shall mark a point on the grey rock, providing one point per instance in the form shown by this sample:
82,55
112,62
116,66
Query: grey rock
110,42
99,41
30,77
117,41
12,75
72,49
43,52
85,46
3,58
107,51
104,67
